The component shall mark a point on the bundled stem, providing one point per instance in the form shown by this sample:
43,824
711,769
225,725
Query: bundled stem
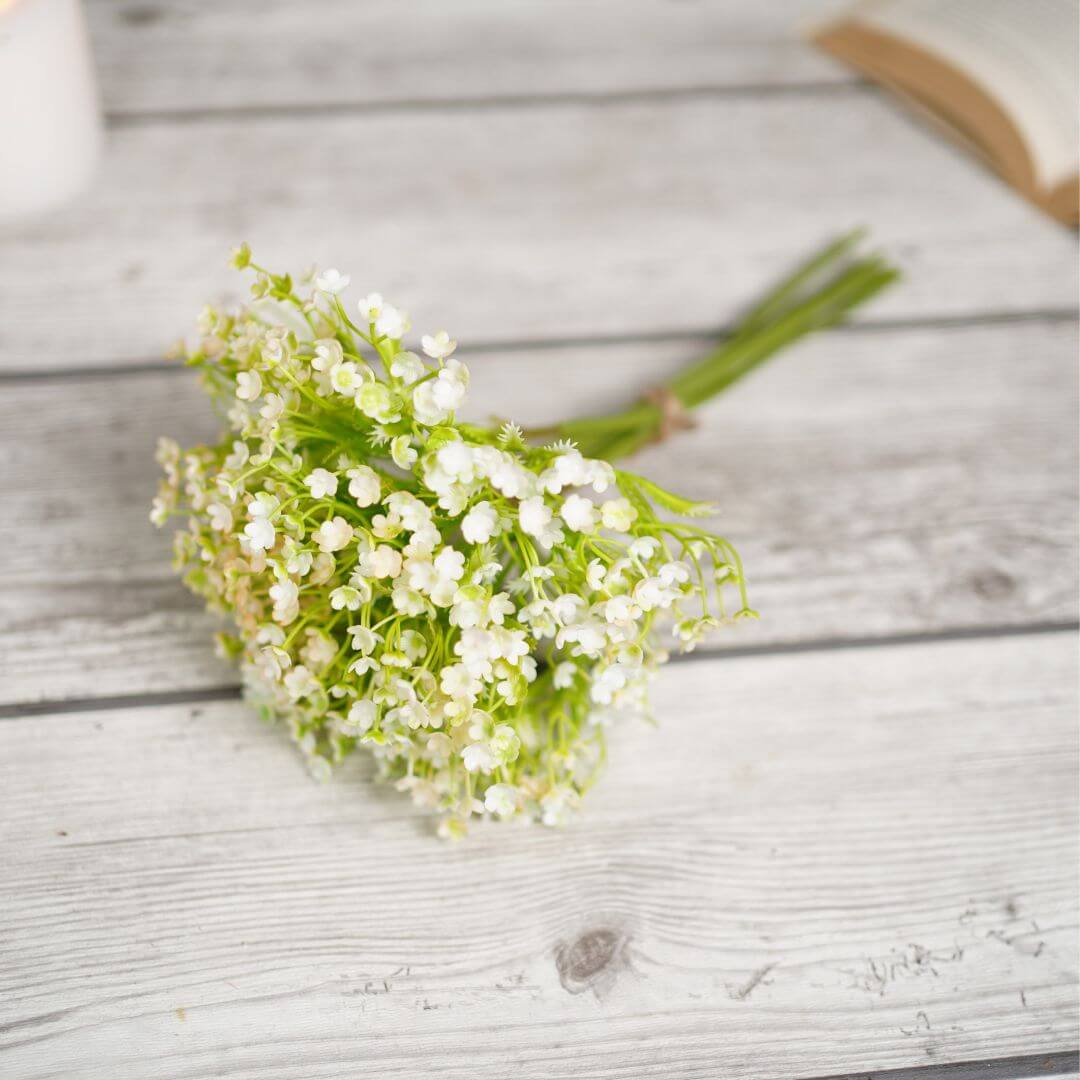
819,293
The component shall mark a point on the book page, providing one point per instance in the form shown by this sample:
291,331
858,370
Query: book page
1022,52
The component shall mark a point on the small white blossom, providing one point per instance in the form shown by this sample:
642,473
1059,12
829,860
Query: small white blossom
534,516
501,799
477,757
273,407
221,518
346,598
248,385
403,455
438,346
260,534
331,281
328,354
382,561
618,514
346,378
333,535
480,524
321,483
407,366
364,485
578,513
361,718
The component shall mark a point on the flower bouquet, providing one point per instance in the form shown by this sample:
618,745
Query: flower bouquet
473,606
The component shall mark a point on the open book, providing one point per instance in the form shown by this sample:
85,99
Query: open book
1001,76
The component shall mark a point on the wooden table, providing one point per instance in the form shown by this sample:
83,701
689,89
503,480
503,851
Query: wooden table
850,846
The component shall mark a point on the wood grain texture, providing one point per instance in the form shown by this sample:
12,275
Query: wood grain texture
875,483
831,861
510,224
158,56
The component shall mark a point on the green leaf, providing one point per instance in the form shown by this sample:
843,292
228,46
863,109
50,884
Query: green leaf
667,499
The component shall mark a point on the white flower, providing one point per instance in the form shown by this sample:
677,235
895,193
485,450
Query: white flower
221,519
618,514
331,281
455,459
392,323
328,354
377,400
498,607
260,534
480,523
364,485
319,650
414,714
594,575
674,573
364,640
439,748
323,568
322,483
654,592
608,682
346,378
438,347
578,513
248,385
600,474
300,682
477,757
407,366
370,307
285,594
402,453
273,407
450,385
361,717
297,561
408,601
644,548
414,514
501,799
425,409
556,805
534,516
381,562
564,675
449,564
457,681
621,609
345,597
504,743
269,634
333,535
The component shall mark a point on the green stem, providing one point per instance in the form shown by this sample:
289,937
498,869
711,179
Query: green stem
819,293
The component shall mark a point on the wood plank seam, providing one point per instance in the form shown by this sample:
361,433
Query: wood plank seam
486,103
231,692
1049,316
1065,1063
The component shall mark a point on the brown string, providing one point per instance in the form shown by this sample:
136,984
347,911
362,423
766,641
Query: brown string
673,415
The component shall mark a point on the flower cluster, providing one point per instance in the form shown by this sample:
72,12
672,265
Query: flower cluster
473,609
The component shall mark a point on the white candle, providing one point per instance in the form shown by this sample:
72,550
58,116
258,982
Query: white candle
50,117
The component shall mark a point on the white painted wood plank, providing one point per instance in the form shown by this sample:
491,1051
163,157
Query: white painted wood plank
157,56
875,483
512,224
831,861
